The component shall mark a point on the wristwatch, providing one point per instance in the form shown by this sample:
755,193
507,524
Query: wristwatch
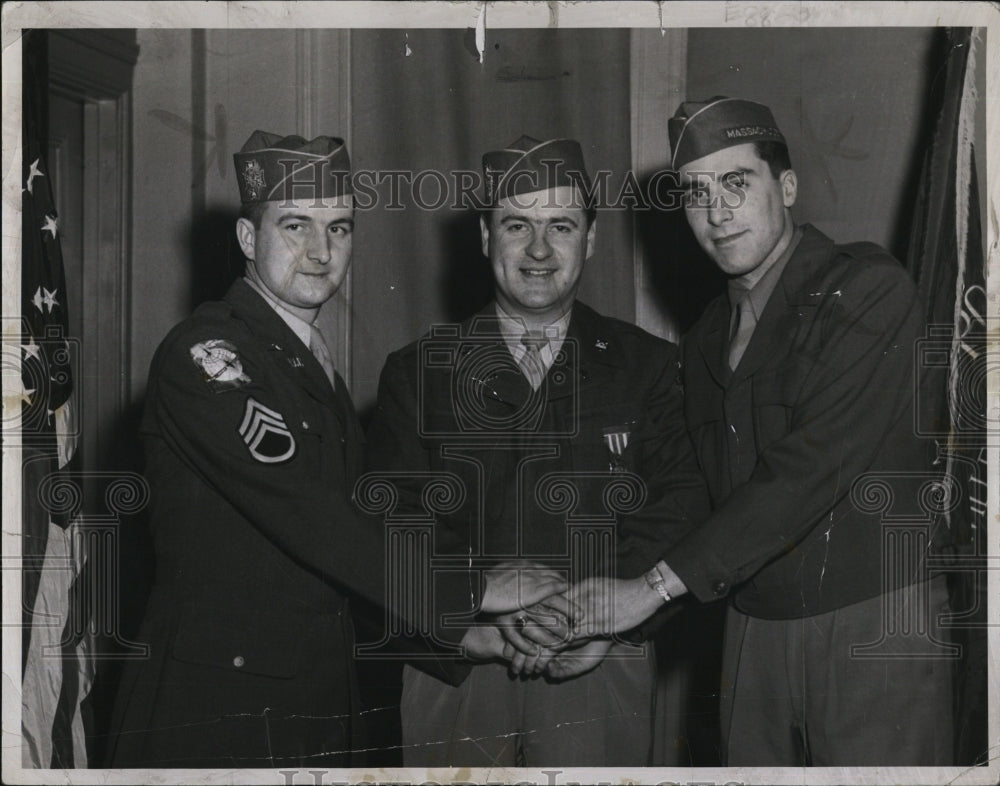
657,583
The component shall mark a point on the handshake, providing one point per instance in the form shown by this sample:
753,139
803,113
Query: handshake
539,624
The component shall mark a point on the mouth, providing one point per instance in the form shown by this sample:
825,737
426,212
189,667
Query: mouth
530,272
726,240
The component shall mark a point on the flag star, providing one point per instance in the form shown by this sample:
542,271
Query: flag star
37,299
50,299
31,349
50,225
35,172
24,394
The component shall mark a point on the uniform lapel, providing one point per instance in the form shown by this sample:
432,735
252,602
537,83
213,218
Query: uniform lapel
713,340
791,294
592,355
353,433
290,354
491,367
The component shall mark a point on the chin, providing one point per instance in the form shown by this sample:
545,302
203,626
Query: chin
316,299
732,267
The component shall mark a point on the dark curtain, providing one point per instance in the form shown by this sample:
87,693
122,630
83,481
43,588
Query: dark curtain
421,100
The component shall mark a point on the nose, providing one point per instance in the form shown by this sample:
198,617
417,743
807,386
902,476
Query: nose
719,214
539,247
319,248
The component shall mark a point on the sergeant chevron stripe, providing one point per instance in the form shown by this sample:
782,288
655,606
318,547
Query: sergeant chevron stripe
265,434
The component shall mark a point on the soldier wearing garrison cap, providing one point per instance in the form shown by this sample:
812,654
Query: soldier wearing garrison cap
797,389
252,451
540,389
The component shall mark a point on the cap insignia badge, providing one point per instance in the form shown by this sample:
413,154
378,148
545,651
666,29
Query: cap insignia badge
253,178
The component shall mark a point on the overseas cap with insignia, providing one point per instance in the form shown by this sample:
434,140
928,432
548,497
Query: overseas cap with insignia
700,128
529,165
273,168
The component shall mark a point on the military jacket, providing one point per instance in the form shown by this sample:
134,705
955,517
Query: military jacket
801,442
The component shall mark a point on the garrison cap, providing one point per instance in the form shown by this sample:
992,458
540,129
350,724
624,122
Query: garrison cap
700,128
272,168
529,165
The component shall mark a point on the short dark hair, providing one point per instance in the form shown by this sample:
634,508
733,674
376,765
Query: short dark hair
254,213
776,156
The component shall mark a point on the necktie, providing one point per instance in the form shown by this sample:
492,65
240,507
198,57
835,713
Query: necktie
319,349
741,329
531,362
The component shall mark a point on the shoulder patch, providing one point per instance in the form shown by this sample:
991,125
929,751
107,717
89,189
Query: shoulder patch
265,433
220,364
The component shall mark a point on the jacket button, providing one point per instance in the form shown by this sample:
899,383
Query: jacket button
720,587
238,661
305,425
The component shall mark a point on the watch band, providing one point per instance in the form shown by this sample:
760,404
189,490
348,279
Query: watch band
657,583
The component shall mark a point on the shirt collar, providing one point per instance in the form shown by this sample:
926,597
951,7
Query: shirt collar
299,326
513,328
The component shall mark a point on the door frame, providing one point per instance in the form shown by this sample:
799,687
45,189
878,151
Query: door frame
94,68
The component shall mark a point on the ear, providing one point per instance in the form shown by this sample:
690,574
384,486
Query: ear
591,234
484,234
789,187
246,235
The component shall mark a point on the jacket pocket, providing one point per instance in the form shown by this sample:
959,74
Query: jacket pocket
773,403
241,641
704,420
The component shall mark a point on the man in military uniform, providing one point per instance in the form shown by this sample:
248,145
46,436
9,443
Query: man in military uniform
799,389
566,428
253,448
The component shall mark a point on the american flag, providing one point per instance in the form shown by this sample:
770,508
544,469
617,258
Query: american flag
56,670
946,259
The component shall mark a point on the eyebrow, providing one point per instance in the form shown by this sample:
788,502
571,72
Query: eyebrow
699,183
304,219
525,220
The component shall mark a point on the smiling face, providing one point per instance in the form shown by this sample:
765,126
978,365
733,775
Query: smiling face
537,244
300,254
738,210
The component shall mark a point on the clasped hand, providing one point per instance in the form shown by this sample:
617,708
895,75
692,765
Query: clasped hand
539,624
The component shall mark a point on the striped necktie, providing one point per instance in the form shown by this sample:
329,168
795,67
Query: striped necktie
531,362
